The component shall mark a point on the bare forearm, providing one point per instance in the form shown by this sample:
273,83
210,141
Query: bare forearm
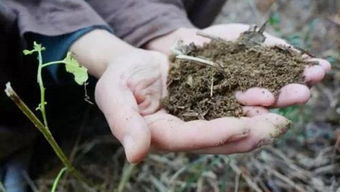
97,48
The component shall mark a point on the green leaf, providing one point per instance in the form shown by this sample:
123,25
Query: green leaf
79,72
36,48
28,52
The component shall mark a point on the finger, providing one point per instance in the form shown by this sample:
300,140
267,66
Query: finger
141,85
224,30
272,41
292,94
120,108
322,62
251,111
151,96
314,74
146,102
255,96
147,90
264,129
172,134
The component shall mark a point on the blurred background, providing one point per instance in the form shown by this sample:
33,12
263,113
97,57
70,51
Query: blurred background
307,158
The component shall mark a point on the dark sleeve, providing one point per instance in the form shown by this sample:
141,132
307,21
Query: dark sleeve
53,17
139,21
202,13
56,47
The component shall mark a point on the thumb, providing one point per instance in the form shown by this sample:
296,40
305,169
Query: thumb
120,109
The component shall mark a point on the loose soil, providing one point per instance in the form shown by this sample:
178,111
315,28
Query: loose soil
197,90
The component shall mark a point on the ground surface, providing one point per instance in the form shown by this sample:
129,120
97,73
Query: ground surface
305,159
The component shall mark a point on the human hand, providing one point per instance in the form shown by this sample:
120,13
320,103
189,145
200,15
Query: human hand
289,95
131,84
129,93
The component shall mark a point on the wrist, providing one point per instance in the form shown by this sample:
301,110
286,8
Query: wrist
97,48
164,43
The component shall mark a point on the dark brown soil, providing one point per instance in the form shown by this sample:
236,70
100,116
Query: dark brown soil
202,91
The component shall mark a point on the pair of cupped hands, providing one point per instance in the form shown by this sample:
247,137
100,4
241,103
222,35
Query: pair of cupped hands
130,90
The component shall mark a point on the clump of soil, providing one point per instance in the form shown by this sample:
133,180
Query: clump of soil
203,80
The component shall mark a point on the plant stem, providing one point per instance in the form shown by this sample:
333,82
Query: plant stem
127,171
52,63
57,179
45,131
42,90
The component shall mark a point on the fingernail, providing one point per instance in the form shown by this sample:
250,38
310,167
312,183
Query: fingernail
265,141
238,94
280,129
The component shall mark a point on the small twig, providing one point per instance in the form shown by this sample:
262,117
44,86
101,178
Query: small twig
336,150
249,181
290,163
44,130
263,27
220,64
212,87
181,170
29,181
213,184
200,61
237,182
285,179
158,185
127,171
75,148
87,97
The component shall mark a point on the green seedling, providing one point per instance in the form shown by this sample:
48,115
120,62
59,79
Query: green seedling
80,76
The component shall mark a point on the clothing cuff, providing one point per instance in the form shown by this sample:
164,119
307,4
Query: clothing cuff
58,46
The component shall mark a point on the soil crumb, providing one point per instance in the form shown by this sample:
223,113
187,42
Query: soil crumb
205,89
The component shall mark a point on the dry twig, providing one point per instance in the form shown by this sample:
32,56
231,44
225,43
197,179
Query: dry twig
249,181
285,179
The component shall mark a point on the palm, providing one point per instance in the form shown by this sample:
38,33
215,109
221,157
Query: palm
130,90
290,94
129,94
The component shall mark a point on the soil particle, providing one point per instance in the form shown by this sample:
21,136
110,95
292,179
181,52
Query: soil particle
198,90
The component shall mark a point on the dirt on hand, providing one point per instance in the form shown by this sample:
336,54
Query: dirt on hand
203,80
